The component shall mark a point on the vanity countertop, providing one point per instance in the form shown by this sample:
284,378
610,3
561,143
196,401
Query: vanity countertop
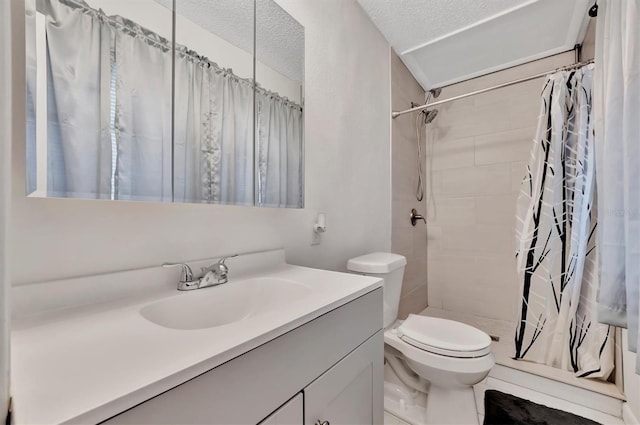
90,366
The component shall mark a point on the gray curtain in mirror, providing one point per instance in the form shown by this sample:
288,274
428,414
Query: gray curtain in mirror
213,135
279,140
79,50
31,64
109,106
141,79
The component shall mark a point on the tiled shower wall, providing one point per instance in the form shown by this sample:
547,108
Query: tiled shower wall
405,239
481,146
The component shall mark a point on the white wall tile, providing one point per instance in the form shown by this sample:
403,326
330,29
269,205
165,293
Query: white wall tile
402,241
481,239
480,180
433,181
420,242
496,209
414,302
415,276
459,182
452,153
507,146
436,295
492,179
485,302
455,211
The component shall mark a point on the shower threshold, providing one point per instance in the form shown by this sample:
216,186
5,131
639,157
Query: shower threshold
502,333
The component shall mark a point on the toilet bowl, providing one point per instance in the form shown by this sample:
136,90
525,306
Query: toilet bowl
445,356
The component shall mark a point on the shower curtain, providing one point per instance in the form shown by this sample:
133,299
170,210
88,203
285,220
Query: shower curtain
617,126
556,250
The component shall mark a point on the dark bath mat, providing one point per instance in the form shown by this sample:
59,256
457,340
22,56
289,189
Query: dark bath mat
507,409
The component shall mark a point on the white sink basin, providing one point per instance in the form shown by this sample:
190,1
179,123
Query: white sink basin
224,304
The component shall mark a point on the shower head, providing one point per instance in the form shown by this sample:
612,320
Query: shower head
429,115
433,93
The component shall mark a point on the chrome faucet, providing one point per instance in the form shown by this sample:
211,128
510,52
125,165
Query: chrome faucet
214,275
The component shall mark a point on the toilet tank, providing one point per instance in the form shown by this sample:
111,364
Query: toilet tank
389,267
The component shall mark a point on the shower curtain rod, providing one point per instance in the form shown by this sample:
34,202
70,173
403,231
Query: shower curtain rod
396,114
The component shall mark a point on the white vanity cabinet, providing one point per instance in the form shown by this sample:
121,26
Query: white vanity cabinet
330,368
290,414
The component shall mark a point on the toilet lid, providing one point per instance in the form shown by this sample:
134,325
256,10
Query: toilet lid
444,337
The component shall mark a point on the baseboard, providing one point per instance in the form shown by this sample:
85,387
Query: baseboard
628,416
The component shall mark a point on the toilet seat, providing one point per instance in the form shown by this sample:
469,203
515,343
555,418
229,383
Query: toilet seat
444,337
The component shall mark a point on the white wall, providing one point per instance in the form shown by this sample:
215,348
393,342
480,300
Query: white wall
5,200
347,175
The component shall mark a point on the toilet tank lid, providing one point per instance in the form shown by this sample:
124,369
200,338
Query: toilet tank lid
377,262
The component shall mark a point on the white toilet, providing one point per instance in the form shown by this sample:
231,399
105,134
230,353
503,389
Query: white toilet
442,358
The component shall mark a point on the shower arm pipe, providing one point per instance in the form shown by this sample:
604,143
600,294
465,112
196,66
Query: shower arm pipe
396,114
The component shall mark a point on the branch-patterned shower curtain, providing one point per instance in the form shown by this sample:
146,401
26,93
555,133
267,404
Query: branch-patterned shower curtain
556,249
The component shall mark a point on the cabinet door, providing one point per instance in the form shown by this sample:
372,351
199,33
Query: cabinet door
289,414
351,392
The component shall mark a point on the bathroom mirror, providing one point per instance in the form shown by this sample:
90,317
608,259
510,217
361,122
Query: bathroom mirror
116,109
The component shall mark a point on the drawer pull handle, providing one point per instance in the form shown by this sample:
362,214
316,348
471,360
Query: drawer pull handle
318,422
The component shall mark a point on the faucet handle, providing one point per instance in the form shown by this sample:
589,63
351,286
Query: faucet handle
223,267
187,274
415,217
223,259
220,267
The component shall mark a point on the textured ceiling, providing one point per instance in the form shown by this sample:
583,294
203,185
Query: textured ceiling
280,38
408,21
446,41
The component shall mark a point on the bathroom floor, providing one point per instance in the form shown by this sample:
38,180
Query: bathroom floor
538,383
